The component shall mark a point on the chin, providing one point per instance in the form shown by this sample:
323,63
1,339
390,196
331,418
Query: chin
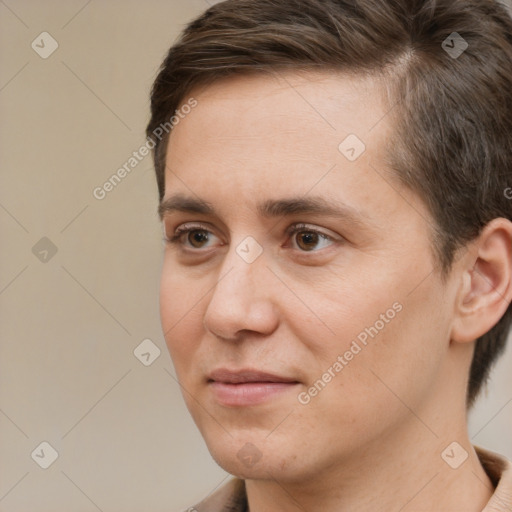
254,457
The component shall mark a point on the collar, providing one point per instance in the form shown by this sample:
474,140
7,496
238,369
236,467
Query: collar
231,497
499,471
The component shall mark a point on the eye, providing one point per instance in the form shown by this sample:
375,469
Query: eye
308,239
197,238
193,237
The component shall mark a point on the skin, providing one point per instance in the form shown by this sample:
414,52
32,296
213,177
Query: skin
372,439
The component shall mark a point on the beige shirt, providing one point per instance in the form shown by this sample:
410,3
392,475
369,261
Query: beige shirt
232,498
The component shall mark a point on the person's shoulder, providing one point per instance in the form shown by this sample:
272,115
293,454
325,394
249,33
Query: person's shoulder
231,497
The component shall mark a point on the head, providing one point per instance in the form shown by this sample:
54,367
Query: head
379,110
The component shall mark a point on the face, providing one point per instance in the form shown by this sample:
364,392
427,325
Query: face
297,291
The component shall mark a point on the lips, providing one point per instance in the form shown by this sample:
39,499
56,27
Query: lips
244,376
247,387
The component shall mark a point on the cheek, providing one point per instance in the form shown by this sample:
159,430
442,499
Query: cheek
181,317
391,353
375,325
336,315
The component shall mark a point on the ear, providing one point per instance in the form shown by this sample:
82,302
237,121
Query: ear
486,282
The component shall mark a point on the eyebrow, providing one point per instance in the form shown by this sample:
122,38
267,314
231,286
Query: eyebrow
309,205
270,209
181,203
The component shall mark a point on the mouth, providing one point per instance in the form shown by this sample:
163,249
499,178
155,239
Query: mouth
247,387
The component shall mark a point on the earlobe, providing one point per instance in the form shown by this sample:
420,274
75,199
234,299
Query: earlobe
486,283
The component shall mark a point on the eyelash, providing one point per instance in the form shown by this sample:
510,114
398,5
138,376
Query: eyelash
298,228
290,232
183,230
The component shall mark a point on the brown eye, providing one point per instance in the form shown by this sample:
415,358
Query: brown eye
198,238
307,240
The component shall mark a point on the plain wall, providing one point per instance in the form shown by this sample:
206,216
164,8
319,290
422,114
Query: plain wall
69,324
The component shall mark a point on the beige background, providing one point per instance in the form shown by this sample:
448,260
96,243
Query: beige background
69,325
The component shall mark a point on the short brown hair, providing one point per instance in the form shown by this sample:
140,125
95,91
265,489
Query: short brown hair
453,113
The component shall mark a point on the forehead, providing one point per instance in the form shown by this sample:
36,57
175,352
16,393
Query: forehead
292,107
254,137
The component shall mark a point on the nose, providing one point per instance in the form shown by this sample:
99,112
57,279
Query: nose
243,300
